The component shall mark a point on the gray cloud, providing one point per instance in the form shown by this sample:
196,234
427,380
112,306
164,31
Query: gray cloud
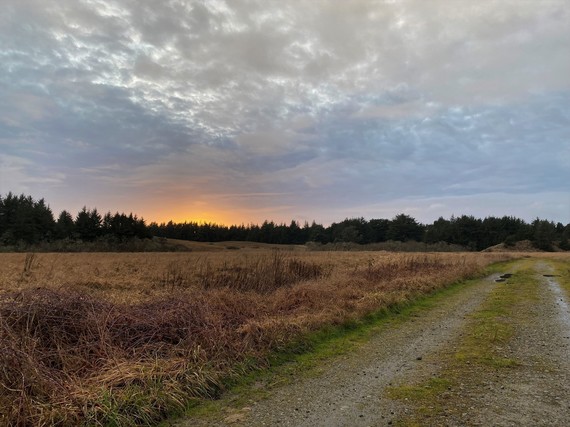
323,104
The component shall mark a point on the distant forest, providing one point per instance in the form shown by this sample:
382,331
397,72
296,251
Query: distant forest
25,221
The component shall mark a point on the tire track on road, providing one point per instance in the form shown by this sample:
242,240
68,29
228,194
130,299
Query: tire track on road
532,391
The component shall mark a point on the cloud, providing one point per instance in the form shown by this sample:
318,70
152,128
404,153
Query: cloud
323,104
396,111
21,175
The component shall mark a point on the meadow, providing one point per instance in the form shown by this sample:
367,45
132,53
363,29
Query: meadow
131,338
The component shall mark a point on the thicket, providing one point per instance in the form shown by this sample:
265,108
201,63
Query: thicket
25,221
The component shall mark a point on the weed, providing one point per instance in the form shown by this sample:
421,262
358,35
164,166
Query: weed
29,264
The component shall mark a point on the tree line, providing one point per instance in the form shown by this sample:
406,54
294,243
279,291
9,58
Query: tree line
467,231
23,219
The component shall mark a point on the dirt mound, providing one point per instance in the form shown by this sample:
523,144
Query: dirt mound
522,246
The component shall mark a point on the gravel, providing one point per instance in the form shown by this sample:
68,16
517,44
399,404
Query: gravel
537,392
351,389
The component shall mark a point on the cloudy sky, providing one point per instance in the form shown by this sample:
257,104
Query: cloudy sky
237,111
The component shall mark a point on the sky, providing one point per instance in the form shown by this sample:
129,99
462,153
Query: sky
239,111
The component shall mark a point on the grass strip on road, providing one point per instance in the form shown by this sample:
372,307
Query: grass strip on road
479,355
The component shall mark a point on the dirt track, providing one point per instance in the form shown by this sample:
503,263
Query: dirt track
351,390
537,391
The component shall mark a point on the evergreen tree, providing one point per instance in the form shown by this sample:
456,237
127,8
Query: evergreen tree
379,229
544,234
318,233
439,231
22,219
88,224
64,227
403,228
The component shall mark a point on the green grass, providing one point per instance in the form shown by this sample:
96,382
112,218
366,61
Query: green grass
478,353
423,392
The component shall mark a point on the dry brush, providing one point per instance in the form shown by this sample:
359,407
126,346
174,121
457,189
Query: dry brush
108,339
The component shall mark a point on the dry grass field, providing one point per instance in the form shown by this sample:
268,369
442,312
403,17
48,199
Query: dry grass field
126,339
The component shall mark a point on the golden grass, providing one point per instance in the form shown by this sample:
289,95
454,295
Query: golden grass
233,245
125,339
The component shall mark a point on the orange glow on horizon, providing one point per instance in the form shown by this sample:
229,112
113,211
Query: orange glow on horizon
203,212
178,215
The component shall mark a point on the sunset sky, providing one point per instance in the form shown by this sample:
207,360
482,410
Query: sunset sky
239,111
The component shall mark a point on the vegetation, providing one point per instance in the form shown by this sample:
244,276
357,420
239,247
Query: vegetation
25,221
27,224
463,233
480,353
106,339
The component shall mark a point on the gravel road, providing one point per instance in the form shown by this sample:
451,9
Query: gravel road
351,389
536,393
